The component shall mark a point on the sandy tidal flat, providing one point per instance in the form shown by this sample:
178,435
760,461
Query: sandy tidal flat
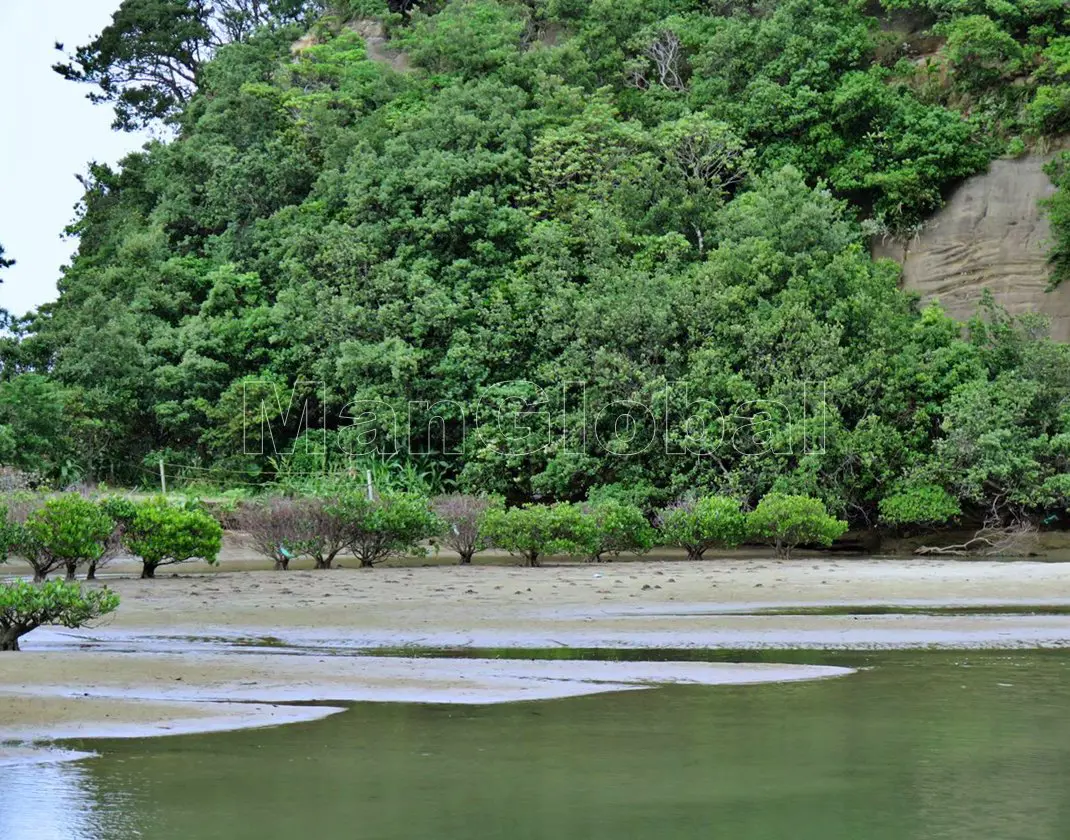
176,656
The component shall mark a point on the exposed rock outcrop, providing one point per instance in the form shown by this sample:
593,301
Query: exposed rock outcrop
375,41
991,234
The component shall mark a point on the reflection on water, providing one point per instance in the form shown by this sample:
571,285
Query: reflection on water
45,796
921,746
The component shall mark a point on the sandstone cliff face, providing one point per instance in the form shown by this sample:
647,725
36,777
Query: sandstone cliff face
990,235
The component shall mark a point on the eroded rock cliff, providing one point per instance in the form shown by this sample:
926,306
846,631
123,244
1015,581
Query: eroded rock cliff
991,234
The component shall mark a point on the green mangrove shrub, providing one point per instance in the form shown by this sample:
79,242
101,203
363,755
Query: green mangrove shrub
533,531
785,522
163,534
26,606
390,526
699,524
617,528
67,531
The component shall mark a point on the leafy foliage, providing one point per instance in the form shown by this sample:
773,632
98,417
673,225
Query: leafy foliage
619,528
923,504
67,531
786,521
121,511
148,61
389,526
25,607
533,531
1058,211
330,527
698,525
661,201
162,534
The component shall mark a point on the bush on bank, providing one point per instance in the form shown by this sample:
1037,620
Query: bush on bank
461,519
616,528
785,522
27,606
389,526
697,525
162,534
67,531
533,531
70,531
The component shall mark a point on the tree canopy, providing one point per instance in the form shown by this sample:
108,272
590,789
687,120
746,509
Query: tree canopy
530,248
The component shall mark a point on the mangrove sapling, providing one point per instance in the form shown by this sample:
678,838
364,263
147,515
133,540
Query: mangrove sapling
697,525
532,531
618,527
389,526
26,606
462,521
279,528
67,531
162,534
121,510
788,521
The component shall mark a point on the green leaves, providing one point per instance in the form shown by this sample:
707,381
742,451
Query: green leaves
25,607
1057,209
980,52
148,60
656,199
788,521
162,533
66,530
388,526
532,531
36,424
618,528
919,504
698,525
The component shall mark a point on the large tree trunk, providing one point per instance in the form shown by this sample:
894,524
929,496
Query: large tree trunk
695,553
91,572
9,640
367,564
532,560
282,564
72,571
39,575
466,559
148,571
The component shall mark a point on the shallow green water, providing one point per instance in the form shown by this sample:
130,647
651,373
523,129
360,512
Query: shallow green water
921,745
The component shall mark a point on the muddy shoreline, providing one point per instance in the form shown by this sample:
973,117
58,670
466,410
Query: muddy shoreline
210,650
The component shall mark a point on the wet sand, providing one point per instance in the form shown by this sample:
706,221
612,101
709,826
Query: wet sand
176,655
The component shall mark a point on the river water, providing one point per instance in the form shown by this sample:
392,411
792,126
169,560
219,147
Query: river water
915,746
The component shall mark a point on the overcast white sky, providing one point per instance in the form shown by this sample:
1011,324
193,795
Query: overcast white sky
49,132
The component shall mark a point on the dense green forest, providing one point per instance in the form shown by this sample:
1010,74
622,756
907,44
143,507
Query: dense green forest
605,241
